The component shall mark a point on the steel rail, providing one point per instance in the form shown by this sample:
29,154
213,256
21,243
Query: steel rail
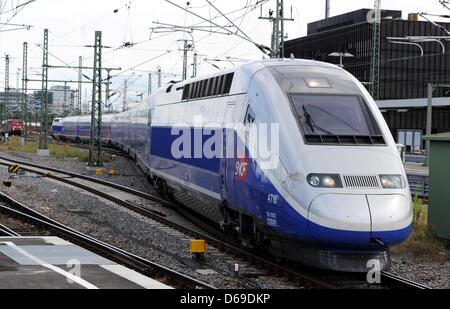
88,178
401,283
144,266
106,149
6,231
220,241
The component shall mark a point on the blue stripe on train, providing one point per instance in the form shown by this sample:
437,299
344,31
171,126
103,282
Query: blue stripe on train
199,177
57,129
251,195
163,139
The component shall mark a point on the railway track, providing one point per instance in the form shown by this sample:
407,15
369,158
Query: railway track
17,211
211,235
6,231
84,146
10,226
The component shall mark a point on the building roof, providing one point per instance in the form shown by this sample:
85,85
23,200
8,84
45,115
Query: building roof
412,103
438,137
350,18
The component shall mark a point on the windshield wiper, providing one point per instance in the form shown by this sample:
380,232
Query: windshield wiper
312,124
336,117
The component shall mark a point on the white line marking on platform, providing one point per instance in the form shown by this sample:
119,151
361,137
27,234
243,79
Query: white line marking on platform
135,277
56,269
56,241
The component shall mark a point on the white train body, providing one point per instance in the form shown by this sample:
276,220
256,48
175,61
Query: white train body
333,193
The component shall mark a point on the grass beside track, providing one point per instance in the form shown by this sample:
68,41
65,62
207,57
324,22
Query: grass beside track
422,241
59,151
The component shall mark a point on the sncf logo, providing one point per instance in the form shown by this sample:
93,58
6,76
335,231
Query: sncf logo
241,168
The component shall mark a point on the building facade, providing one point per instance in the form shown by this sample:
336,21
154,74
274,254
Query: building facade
60,101
404,71
12,101
63,100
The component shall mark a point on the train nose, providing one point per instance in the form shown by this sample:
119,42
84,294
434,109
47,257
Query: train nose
391,217
360,220
340,219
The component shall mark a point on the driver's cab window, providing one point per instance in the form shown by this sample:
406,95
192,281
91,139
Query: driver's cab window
250,117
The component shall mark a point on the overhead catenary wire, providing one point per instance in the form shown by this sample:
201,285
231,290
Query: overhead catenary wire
242,17
65,63
225,16
253,6
256,5
129,83
62,36
16,10
423,15
128,28
145,62
174,28
25,27
16,7
445,4
245,22
112,12
264,49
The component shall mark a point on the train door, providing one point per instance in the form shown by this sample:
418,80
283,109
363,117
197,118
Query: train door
227,164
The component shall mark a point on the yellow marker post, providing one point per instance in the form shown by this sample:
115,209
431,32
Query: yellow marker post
99,171
198,248
112,172
13,169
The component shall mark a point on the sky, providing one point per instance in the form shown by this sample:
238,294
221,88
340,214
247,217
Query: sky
72,25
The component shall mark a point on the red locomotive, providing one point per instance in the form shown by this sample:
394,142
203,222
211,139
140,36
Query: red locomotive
12,126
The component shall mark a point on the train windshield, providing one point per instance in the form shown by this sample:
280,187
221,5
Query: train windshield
334,115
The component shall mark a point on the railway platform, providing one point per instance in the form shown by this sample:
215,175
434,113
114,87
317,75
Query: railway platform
416,169
53,263
418,178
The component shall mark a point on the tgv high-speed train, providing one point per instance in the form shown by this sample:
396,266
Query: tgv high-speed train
290,155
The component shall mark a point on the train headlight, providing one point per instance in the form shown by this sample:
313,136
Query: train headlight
325,180
392,181
314,181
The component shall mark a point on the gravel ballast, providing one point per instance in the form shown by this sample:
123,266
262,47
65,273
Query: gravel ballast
125,229
113,224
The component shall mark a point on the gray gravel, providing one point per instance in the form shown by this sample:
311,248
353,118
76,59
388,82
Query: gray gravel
147,238
128,173
130,231
432,273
